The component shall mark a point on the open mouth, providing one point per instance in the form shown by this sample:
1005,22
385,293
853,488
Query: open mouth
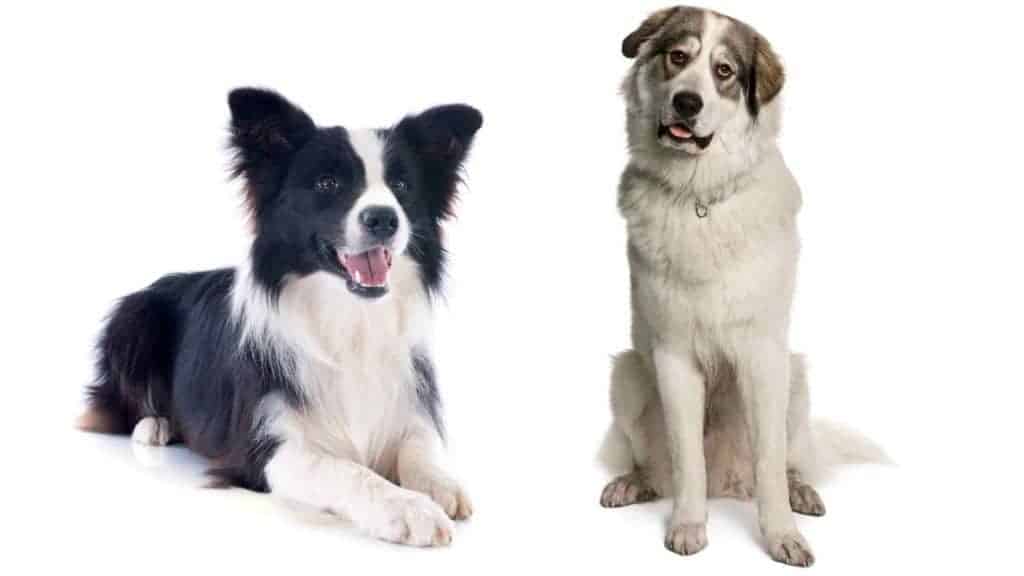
680,134
366,272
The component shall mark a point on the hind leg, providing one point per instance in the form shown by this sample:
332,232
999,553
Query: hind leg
632,488
132,385
803,498
638,429
152,431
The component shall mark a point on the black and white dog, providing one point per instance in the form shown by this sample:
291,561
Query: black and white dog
306,371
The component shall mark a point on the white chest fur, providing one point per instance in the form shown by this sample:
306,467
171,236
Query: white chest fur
726,267
353,361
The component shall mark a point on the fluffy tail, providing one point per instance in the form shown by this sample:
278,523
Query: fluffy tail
134,356
835,445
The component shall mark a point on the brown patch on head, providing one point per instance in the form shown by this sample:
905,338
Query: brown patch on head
769,74
763,75
669,26
649,27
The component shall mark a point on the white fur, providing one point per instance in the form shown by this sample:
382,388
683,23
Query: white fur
352,359
324,471
711,301
371,149
151,431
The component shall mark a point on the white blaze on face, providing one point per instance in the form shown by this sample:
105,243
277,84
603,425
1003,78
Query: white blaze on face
370,148
717,109
698,77
358,243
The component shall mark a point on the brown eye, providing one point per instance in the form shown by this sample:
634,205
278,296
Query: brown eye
326,184
724,71
678,57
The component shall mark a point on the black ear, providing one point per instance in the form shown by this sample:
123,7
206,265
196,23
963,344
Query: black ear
446,132
441,137
766,76
265,130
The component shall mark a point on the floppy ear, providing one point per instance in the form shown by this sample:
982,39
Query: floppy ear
647,30
442,136
265,130
766,76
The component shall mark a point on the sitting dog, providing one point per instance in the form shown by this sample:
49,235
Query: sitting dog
306,371
710,400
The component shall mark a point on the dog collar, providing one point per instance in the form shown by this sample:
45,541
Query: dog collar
700,208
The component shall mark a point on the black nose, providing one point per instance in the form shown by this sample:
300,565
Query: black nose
688,104
380,221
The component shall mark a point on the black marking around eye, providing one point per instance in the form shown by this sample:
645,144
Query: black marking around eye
326,184
398,184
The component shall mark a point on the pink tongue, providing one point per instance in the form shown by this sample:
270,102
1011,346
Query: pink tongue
369,268
679,132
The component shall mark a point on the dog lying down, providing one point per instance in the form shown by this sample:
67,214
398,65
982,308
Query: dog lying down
306,370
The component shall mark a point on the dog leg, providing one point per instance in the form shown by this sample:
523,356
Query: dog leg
418,471
632,488
152,431
304,474
681,387
764,383
803,498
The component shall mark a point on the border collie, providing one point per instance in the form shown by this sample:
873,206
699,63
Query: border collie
710,400
306,371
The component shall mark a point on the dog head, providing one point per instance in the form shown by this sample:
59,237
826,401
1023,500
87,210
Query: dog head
346,202
698,76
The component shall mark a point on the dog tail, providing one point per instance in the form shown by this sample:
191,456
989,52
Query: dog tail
835,445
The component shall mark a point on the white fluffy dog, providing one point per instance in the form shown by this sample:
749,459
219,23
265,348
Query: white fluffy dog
710,400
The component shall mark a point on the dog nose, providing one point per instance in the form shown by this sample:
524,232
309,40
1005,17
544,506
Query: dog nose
688,104
380,221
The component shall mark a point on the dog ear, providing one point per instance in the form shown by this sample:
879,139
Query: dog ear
265,130
446,132
651,26
766,76
442,137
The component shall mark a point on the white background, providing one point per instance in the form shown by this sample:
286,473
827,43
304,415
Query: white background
902,125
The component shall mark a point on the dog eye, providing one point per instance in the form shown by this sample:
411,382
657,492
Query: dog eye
326,184
724,71
678,57
398,185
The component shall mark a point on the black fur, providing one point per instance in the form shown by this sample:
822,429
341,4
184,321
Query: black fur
174,350
750,83
426,390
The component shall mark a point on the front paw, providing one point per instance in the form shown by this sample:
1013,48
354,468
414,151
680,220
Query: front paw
446,492
789,548
414,520
686,538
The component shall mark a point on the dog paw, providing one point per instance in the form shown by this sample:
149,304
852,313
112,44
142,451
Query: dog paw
414,520
790,548
446,493
627,489
804,499
686,539
152,432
